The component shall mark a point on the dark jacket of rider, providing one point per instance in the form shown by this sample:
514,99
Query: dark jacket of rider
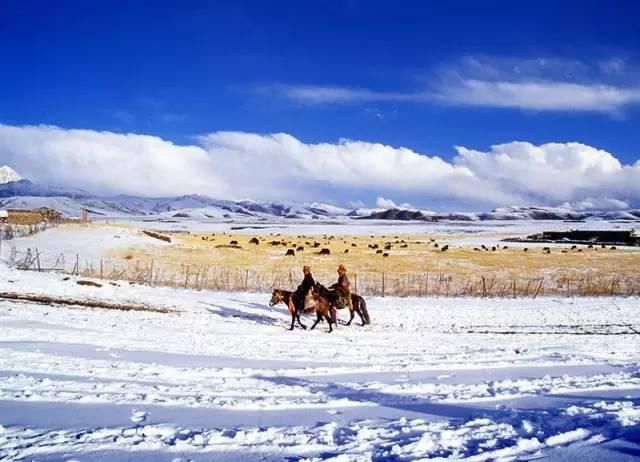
305,286
342,288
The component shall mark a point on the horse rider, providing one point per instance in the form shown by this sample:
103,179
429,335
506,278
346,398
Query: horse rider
303,289
342,288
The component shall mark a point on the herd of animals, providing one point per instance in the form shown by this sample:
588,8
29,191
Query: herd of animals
324,300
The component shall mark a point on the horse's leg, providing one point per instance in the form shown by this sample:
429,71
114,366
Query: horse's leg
300,322
352,315
359,311
292,310
318,318
328,318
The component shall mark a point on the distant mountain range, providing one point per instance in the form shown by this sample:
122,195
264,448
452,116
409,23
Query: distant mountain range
16,192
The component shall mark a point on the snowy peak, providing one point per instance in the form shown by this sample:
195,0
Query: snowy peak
8,175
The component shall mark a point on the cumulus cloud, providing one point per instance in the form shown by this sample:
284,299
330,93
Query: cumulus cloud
383,203
108,162
538,84
281,167
553,172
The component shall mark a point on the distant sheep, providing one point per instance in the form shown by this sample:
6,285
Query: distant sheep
385,254
325,252
444,248
493,249
290,253
353,244
378,251
300,249
388,247
254,240
436,245
346,250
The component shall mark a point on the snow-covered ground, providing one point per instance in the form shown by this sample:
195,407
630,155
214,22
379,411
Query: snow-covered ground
220,378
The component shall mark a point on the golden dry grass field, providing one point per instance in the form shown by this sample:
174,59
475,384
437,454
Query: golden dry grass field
410,259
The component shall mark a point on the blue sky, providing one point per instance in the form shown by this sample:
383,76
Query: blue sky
427,76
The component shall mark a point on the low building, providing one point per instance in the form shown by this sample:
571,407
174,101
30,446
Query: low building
611,237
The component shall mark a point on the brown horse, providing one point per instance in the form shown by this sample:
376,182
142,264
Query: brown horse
358,304
289,298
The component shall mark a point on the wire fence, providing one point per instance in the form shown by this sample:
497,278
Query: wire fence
226,278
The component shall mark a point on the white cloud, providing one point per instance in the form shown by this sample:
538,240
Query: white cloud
383,203
538,84
597,203
279,166
553,172
108,162
539,95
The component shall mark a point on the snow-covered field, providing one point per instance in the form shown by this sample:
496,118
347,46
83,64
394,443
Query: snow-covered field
220,378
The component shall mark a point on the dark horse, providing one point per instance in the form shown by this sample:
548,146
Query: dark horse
289,299
321,293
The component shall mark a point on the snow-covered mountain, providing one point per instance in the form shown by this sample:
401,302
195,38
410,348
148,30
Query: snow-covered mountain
7,175
22,193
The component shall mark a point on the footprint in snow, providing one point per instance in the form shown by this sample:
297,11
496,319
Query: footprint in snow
138,416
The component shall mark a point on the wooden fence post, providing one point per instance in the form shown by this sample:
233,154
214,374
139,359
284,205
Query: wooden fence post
383,284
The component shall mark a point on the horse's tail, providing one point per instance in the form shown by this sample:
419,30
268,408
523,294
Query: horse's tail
363,308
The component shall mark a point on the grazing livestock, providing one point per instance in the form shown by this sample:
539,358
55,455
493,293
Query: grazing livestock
346,250
254,240
325,251
300,249
388,247
436,245
385,254
475,249
493,249
378,251
290,253
353,244
233,243
526,249
444,248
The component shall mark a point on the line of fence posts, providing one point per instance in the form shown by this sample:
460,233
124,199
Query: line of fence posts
401,285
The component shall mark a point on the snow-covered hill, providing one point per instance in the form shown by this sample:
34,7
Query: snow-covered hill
7,175
16,192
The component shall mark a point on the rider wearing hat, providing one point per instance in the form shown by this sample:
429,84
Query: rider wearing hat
342,288
303,289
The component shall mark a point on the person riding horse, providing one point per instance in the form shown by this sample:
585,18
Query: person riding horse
303,289
342,288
